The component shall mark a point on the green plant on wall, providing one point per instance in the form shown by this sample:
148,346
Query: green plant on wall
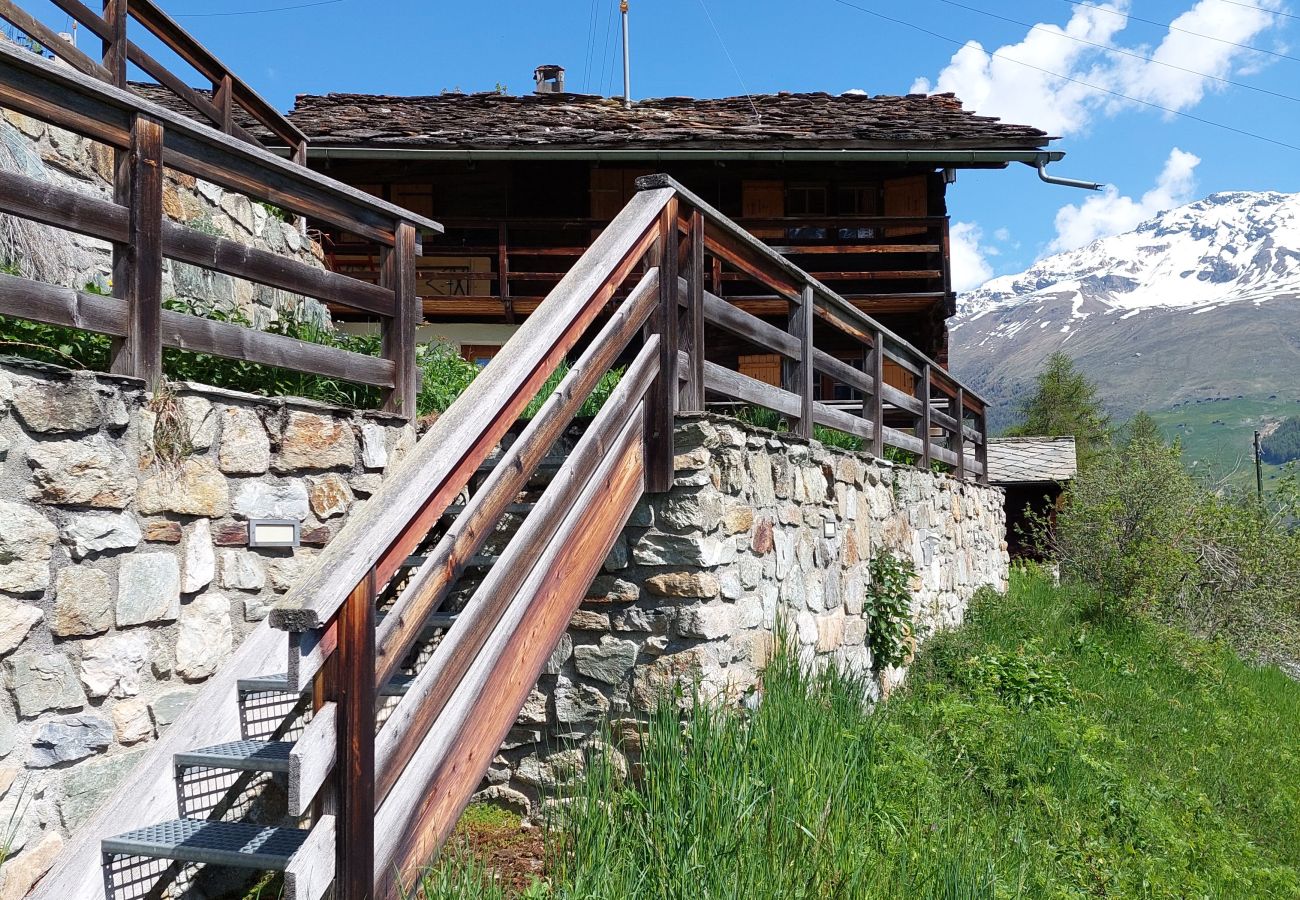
888,605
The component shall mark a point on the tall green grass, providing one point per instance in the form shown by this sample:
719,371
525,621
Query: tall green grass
1039,751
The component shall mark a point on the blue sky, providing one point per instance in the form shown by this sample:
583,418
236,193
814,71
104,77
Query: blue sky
1153,159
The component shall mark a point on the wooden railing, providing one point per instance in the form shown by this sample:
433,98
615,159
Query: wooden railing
396,794
117,50
148,139
504,267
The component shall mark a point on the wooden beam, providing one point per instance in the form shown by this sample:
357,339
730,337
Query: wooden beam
355,698
799,372
959,436
138,264
424,806
398,276
50,40
721,380
877,414
692,394
57,305
429,585
923,425
661,404
115,42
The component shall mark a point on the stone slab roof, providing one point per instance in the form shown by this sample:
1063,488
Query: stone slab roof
1032,460
784,121
582,121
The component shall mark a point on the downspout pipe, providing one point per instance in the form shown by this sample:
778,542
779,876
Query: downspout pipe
1064,182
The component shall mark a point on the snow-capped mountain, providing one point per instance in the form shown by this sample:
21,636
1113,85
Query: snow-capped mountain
1199,300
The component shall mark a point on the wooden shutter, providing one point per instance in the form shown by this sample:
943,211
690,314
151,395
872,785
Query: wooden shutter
763,199
606,193
906,197
765,367
898,377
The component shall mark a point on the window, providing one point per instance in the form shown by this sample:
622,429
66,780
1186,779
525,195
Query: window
805,200
856,200
479,354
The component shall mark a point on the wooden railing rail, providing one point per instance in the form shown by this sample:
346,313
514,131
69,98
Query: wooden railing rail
148,138
228,90
399,792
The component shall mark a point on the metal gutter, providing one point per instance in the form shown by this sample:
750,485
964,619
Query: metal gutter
947,158
1041,165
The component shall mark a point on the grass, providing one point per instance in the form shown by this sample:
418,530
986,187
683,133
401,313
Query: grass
1041,751
1218,434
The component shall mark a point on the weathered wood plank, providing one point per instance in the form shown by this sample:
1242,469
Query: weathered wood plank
311,871
842,421
57,305
186,332
354,694
312,758
692,395
661,405
424,806
799,373
201,104
923,426
877,412
138,264
429,585
397,274
724,381
461,438
25,22
433,686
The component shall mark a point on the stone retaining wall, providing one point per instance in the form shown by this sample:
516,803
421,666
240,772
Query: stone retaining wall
125,576
762,534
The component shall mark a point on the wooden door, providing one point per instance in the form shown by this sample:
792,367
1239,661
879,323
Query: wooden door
764,367
763,199
906,197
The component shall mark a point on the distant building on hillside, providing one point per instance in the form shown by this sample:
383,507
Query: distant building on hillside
1034,472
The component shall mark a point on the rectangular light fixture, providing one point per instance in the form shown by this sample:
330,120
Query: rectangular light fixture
273,532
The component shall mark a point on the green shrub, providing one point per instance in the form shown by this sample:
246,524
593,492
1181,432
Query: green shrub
888,606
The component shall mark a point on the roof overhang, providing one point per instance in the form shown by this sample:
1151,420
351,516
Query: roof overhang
944,158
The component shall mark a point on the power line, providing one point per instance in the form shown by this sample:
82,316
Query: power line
1012,59
611,41
1271,12
1121,51
1172,27
253,12
591,44
734,67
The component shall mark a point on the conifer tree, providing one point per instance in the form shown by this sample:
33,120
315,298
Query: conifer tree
1064,403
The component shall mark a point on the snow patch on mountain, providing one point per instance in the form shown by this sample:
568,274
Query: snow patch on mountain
1227,248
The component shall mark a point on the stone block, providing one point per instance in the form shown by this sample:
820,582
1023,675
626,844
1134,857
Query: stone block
205,638
268,500
83,602
328,495
89,784
738,519
69,739
683,584
707,622
148,589
198,558
245,446
314,441
63,407
195,488
578,703
43,681
168,708
610,661
242,571
162,531
97,532
16,621
21,872
114,665
131,721
559,656
91,472
659,549
374,446
200,420
589,620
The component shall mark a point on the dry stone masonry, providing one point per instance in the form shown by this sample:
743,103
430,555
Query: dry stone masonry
126,579
762,535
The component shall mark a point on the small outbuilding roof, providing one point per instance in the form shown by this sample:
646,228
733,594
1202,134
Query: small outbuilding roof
1032,460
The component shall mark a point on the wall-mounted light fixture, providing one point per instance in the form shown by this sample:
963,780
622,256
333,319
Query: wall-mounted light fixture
828,528
273,532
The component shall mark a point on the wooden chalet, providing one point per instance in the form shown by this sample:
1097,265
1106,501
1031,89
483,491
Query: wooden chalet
852,188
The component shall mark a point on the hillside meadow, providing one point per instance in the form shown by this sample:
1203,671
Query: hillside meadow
1043,750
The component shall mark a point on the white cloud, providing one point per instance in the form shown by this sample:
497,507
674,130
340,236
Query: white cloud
995,85
1110,213
970,265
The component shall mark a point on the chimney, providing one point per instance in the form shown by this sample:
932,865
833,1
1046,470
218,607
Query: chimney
549,79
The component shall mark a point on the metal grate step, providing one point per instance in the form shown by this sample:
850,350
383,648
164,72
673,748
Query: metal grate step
211,843
280,684
246,756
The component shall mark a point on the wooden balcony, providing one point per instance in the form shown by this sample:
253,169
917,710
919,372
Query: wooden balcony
499,270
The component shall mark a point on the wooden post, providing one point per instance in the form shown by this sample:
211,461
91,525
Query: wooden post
137,264
503,273
959,439
878,397
115,50
661,400
223,94
692,398
355,767
923,421
982,448
397,271
799,373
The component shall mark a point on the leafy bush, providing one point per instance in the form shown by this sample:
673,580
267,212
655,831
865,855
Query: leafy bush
1142,531
888,606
